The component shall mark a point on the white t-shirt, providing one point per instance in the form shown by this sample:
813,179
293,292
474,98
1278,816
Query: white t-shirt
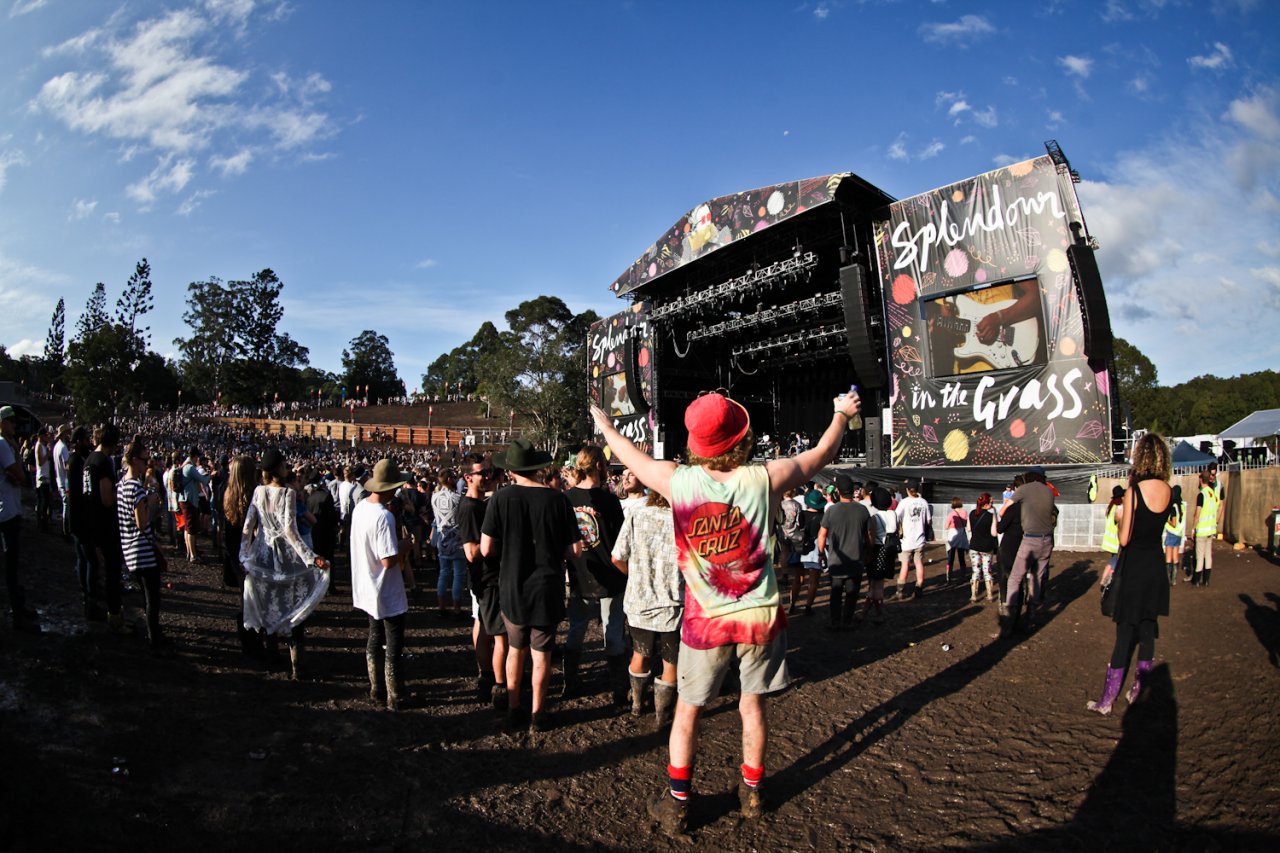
913,515
375,590
10,495
345,488
61,459
632,503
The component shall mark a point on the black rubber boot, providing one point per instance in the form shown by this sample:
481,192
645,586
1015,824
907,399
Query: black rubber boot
664,702
395,690
377,689
1207,572
639,685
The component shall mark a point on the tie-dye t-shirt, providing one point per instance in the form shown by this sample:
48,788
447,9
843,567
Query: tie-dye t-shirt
723,546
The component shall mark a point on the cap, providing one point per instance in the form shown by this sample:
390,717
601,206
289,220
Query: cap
7,412
715,424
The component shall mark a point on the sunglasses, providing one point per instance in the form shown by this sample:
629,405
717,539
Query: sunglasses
723,392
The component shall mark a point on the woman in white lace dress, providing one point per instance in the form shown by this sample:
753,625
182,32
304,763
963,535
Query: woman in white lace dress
284,579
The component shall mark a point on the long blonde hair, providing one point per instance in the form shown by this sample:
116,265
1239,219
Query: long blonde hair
242,479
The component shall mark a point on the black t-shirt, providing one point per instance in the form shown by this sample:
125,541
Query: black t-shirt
484,572
980,537
75,496
599,514
846,525
100,520
532,527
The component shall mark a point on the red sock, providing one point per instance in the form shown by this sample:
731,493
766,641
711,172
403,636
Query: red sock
681,781
752,776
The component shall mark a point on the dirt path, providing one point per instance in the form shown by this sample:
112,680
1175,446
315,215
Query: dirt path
887,741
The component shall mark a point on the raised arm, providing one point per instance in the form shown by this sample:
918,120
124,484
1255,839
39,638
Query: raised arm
788,473
654,473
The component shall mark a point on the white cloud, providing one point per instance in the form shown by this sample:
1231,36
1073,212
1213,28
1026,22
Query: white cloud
159,85
1140,84
933,149
81,209
22,7
960,109
1054,119
26,346
169,175
1077,66
898,149
1216,60
26,299
426,264
1116,12
1181,236
193,201
236,164
961,33
112,216
821,11
968,140
1002,160
9,159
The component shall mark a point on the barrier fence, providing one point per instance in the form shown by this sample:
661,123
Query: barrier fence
417,436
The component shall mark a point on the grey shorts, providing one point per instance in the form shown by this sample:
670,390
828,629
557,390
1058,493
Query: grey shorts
904,554
540,638
761,669
486,610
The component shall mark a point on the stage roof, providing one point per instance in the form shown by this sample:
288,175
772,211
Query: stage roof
728,219
1263,423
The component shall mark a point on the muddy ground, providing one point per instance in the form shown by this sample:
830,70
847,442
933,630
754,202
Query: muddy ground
887,740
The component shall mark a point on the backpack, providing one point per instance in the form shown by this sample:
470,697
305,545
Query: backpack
792,530
178,483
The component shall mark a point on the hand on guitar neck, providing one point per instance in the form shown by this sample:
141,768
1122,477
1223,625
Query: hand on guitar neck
1023,308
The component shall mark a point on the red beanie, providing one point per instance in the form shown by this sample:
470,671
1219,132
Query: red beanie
715,424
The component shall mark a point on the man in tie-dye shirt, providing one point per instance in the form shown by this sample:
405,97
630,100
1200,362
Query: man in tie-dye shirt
723,513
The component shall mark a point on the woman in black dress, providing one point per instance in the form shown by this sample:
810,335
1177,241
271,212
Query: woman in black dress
1144,586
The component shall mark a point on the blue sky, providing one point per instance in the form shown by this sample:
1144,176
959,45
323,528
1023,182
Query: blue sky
417,168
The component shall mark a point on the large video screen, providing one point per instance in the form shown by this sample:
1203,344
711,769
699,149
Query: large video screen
615,395
989,327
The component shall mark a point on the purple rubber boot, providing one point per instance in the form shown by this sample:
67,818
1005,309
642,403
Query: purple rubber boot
1144,666
1110,690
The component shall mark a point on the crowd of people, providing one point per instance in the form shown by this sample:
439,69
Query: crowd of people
682,565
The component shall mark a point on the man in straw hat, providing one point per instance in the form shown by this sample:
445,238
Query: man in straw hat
531,530
377,581
723,512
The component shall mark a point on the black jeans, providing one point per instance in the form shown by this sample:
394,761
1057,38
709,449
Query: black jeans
151,592
10,540
387,632
844,592
107,571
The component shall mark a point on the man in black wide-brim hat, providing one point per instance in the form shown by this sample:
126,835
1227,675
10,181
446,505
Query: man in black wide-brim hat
532,530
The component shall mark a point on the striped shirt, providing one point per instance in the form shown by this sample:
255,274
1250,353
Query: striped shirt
138,546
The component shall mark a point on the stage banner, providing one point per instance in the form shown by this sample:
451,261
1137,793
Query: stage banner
620,355
984,325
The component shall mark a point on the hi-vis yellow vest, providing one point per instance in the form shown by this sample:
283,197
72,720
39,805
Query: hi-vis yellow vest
1177,520
1207,521
1111,535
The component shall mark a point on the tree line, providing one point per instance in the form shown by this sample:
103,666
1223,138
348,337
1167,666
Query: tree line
1205,405
237,354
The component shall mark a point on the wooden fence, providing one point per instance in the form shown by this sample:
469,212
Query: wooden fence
345,432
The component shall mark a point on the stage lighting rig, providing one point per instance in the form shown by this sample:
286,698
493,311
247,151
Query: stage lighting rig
769,316
751,284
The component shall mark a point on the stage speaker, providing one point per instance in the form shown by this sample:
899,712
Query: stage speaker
875,442
1093,303
863,328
